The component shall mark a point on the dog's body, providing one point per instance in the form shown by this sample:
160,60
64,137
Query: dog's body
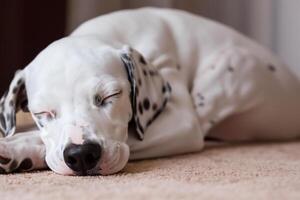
220,84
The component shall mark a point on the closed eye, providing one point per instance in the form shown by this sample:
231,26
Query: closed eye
99,101
43,117
112,95
50,114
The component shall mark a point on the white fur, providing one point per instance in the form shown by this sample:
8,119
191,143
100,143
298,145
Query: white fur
225,87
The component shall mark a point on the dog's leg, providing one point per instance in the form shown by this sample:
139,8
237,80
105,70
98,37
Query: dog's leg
22,152
176,130
231,81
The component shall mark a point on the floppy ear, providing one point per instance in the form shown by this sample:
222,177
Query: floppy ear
11,102
149,91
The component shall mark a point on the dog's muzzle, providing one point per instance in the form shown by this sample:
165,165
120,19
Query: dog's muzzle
83,157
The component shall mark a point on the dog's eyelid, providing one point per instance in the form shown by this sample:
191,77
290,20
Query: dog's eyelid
51,114
101,101
41,112
116,93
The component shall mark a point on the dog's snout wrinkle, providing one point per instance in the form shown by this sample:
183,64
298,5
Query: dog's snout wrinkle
81,158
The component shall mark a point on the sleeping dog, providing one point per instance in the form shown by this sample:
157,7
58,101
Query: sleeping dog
144,83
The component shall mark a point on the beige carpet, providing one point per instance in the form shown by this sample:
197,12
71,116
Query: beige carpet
248,171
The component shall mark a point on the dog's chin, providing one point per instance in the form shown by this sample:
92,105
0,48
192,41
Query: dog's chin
115,156
58,166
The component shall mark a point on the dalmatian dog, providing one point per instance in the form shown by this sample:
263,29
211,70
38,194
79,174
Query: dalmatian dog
144,83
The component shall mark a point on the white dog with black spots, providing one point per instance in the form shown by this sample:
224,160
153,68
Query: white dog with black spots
144,83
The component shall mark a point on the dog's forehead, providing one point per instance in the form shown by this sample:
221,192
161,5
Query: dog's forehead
67,63
68,55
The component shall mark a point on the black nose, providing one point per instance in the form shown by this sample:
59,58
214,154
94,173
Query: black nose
81,158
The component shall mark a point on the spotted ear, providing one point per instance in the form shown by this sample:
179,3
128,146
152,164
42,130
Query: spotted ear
149,91
11,102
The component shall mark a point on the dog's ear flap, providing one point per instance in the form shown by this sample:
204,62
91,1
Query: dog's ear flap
149,91
11,102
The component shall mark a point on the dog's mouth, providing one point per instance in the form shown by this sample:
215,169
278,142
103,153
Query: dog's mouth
113,159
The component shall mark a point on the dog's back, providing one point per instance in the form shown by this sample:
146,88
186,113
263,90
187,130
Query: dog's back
171,38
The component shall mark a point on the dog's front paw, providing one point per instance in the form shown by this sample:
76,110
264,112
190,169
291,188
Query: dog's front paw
7,160
21,154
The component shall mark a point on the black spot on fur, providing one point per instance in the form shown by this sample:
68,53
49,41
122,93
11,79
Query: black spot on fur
140,108
154,106
2,171
145,72
200,96
146,104
13,120
169,87
271,68
230,69
15,90
140,81
178,67
163,89
2,121
22,88
13,165
19,81
4,160
201,104
26,164
126,57
142,60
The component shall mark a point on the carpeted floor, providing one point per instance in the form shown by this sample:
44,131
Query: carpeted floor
248,171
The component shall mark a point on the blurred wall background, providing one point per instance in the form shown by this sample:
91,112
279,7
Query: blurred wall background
27,26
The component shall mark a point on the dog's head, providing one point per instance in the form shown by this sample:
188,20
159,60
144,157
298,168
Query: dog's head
83,96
